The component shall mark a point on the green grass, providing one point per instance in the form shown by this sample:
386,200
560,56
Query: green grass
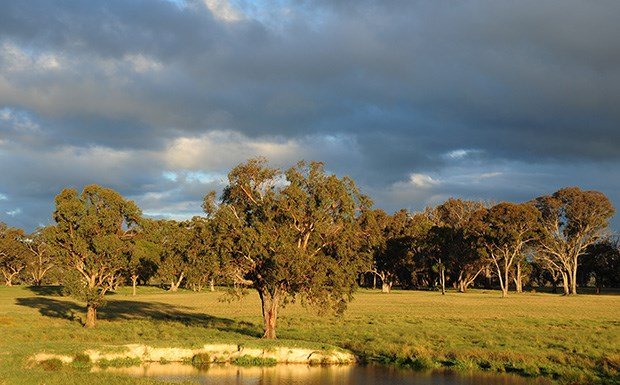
573,339
254,361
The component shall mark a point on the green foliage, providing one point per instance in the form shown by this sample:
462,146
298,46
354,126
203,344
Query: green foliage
201,360
121,362
254,361
289,235
91,238
13,253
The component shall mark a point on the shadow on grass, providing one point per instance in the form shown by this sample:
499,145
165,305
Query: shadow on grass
119,310
50,291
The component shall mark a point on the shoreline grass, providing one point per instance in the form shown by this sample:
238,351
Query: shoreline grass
570,339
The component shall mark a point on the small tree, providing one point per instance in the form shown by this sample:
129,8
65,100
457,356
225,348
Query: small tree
13,253
288,235
507,229
571,220
90,237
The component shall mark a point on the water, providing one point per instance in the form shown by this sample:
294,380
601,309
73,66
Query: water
317,375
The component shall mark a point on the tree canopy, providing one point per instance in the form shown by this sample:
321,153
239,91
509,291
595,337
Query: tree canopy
291,235
90,238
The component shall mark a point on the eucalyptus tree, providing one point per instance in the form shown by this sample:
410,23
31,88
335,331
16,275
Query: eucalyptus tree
290,235
39,260
90,239
203,260
507,228
142,256
602,262
456,245
571,220
175,247
13,253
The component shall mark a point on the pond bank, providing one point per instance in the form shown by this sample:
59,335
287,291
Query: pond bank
212,353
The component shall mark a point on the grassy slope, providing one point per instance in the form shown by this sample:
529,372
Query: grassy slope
576,338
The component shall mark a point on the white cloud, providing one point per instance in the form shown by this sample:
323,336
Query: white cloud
14,212
223,10
422,180
218,150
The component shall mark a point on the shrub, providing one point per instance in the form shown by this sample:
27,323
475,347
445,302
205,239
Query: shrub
121,362
254,361
201,360
82,361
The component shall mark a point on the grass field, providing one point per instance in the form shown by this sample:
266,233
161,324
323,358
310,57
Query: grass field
573,339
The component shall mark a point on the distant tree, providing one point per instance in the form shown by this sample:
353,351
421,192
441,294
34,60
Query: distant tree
507,228
203,260
39,260
372,223
175,247
13,253
91,239
142,255
602,262
455,246
290,235
571,220
387,262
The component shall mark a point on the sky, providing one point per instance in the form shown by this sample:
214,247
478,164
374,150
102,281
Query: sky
418,101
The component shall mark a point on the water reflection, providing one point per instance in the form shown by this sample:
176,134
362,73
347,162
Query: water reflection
316,375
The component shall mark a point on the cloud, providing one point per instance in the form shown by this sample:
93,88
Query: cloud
416,100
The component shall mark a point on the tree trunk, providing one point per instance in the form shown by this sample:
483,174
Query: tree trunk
211,284
134,282
385,287
518,279
565,283
175,286
573,286
443,281
270,303
91,316
374,281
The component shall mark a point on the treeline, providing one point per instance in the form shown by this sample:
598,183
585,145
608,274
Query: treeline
308,235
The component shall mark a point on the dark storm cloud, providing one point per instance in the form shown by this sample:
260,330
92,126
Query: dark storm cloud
417,100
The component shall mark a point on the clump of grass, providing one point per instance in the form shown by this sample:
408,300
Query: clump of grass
254,361
121,362
201,360
81,361
51,364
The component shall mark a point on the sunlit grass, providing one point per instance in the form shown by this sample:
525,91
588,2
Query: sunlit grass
571,338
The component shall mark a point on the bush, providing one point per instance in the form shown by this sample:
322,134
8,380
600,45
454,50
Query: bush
123,362
254,361
201,360
82,361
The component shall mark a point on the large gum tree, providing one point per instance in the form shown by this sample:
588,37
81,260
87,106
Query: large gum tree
290,235
91,238
571,220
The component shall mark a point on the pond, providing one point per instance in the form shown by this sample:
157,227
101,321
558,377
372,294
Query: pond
318,375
